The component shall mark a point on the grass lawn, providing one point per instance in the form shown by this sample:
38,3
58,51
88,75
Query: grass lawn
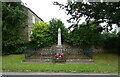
104,63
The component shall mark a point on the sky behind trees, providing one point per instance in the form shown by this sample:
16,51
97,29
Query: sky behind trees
46,10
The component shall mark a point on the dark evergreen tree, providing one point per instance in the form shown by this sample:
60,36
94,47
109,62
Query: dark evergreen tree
13,17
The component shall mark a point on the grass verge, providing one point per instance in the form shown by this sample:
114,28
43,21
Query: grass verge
104,63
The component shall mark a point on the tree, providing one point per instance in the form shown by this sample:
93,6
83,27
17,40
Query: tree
101,12
85,35
41,35
54,25
98,11
13,16
111,41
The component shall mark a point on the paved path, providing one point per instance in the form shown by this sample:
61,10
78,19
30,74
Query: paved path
16,74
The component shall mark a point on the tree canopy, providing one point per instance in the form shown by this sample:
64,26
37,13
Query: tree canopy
85,35
54,25
12,39
90,33
99,11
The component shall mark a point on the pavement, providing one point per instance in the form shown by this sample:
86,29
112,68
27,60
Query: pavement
37,74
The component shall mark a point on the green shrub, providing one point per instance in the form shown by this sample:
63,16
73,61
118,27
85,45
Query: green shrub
41,35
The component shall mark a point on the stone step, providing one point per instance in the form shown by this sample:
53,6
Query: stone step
52,58
79,60
69,61
38,60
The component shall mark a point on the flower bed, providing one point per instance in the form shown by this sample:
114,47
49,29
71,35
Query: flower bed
59,58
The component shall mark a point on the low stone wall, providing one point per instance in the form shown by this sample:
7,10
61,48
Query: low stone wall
98,50
105,50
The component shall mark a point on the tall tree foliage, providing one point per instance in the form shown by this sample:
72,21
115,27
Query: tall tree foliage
85,35
54,25
101,12
111,41
13,16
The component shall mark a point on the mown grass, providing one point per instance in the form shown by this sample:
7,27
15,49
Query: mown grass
104,63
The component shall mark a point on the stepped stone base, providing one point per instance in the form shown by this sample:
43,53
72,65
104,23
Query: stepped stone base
46,54
68,61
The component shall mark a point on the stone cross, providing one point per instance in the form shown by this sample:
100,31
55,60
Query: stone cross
59,38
